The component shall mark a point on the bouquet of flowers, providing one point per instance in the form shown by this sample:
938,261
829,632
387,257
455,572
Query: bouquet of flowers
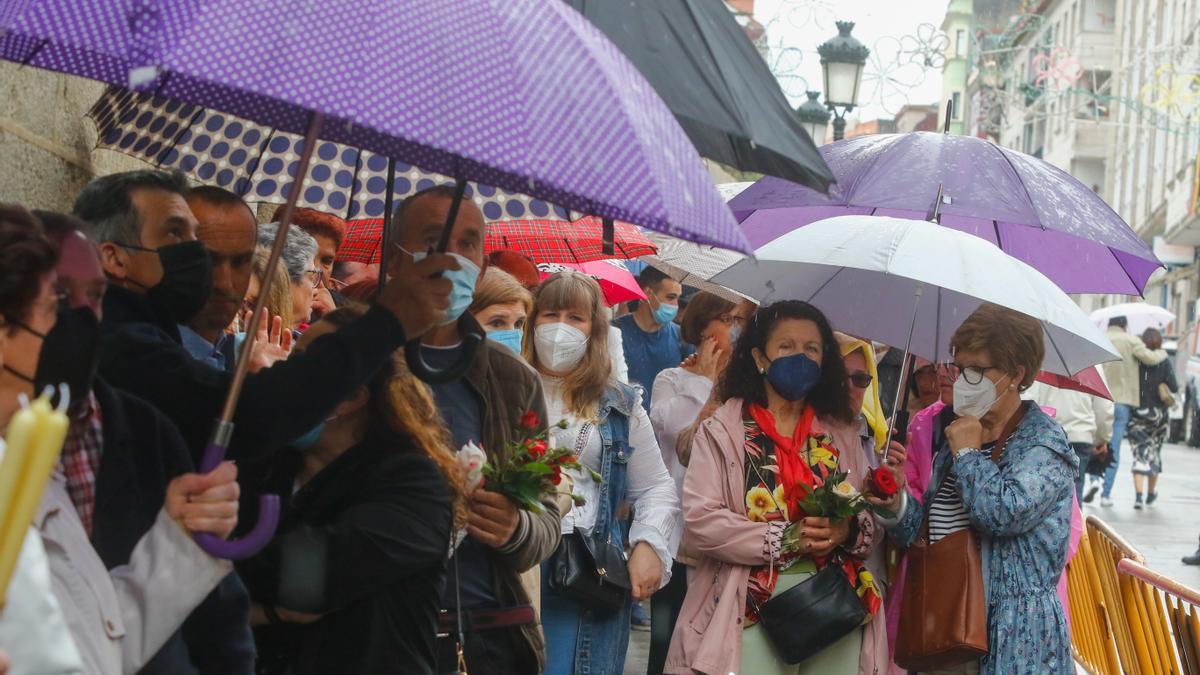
531,470
837,500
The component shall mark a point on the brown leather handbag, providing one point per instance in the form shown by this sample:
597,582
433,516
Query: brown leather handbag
943,616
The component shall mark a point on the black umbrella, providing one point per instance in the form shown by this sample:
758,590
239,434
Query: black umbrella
704,67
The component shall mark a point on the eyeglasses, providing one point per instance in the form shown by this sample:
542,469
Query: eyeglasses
336,284
318,276
861,380
731,319
973,374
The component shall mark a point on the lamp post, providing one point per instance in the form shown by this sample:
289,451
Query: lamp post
814,117
842,61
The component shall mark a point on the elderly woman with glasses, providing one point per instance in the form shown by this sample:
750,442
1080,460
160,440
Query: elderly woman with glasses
1007,472
303,268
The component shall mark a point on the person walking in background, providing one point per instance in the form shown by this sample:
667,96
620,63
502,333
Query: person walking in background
1148,423
1124,383
650,336
1088,423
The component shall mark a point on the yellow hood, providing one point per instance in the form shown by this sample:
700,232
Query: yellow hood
872,407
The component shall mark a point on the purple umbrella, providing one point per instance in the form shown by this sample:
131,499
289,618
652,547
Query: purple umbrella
522,94
1034,211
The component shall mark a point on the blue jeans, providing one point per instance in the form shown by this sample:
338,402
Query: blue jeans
1121,414
580,641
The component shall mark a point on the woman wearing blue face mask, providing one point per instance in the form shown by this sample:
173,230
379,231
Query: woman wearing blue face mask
778,433
353,579
1007,477
501,305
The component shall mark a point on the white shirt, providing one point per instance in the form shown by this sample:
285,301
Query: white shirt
616,354
649,488
678,397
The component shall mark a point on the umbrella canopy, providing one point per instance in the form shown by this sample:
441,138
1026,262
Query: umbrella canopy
540,240
550,108
1087,381
1140,315
616,281
869,274
708,73
1036,212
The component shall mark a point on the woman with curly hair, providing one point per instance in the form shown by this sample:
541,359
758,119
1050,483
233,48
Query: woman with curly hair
353,579
780,432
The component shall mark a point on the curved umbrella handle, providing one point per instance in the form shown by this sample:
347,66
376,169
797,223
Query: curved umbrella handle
264,529
430,375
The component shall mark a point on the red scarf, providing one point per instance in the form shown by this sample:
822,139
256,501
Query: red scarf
794,473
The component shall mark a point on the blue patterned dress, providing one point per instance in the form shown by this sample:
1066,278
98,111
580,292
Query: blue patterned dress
1021,507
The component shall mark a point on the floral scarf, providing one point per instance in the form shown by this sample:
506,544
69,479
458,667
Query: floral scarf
777,476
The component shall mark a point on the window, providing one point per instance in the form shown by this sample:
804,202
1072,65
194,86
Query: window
960,43
1099,16
956,106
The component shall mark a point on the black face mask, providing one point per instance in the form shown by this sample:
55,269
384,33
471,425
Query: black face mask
186,282
69,354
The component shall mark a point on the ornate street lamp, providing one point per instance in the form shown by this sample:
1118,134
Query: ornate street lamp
814,117
842,60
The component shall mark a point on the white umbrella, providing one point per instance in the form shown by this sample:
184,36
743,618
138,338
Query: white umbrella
1141,315
868,274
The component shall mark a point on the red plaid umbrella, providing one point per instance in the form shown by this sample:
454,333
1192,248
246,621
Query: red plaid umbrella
616,282
541,240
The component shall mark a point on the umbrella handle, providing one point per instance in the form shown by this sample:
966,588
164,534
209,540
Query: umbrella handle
268,510
472,339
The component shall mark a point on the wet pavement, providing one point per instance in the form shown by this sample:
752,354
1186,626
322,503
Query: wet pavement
1167,530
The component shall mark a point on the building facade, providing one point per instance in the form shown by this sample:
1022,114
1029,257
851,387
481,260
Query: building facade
957,27
1156,140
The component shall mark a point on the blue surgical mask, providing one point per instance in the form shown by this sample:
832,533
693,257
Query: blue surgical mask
665,313
793,376
510,338
735,332
308,438
463,279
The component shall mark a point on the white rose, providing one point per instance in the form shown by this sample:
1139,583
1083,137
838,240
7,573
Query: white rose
846,491
471,460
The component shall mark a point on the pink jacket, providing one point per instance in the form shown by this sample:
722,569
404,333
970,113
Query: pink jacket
708,633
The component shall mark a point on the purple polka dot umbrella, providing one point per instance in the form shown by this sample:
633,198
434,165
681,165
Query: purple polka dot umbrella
523,95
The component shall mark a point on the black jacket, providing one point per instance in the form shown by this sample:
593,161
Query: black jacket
1152,376
143,452
140,351
363,543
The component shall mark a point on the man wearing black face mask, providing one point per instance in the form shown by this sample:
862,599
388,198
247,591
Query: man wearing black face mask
160,276
119,457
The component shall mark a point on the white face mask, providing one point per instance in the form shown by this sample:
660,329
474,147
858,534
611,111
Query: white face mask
559,346
974,400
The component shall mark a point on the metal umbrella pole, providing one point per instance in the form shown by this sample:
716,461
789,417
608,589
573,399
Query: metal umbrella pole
214,454
898,423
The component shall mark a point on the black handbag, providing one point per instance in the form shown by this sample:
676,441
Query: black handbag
592,569
812,615
593,572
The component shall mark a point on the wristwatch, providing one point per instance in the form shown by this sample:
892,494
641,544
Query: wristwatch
965,451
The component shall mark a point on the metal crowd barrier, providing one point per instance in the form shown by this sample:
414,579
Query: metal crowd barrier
1125,617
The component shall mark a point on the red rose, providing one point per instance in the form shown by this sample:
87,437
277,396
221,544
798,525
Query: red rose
556,478
530,420
883,483
537,449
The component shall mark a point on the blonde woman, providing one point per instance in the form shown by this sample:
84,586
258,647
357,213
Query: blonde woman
608,426
501,305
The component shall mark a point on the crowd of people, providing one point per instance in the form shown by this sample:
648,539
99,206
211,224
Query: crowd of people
702,432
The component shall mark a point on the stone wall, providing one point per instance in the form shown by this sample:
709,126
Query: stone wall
46,140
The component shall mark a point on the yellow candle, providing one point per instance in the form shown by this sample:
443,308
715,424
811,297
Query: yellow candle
34,441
